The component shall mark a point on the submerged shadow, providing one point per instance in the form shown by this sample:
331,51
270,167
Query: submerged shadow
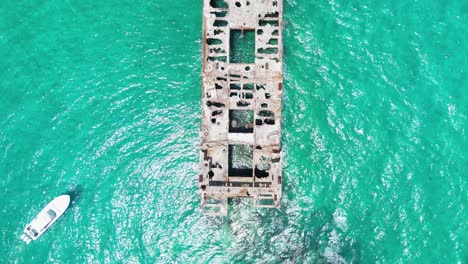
75,194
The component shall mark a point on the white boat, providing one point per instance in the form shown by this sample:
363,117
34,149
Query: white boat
45,218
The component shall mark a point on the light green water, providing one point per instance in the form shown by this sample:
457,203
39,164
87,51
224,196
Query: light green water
102,100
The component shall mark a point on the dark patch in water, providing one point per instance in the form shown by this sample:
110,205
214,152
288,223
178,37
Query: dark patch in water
75,194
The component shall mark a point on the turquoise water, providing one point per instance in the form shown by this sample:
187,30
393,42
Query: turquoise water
101,100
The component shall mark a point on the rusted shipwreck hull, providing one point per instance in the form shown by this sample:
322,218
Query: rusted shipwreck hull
242,89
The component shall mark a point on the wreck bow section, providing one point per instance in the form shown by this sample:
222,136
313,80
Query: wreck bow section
242,90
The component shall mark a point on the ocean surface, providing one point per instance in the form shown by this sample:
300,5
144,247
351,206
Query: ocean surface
101,100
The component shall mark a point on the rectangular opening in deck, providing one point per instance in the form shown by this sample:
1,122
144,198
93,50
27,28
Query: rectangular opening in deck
241,121
240,160
242,46
266,201
218,4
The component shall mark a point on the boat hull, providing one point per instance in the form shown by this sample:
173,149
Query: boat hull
46,218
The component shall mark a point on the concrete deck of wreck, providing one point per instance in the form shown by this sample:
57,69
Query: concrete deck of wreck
242,89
